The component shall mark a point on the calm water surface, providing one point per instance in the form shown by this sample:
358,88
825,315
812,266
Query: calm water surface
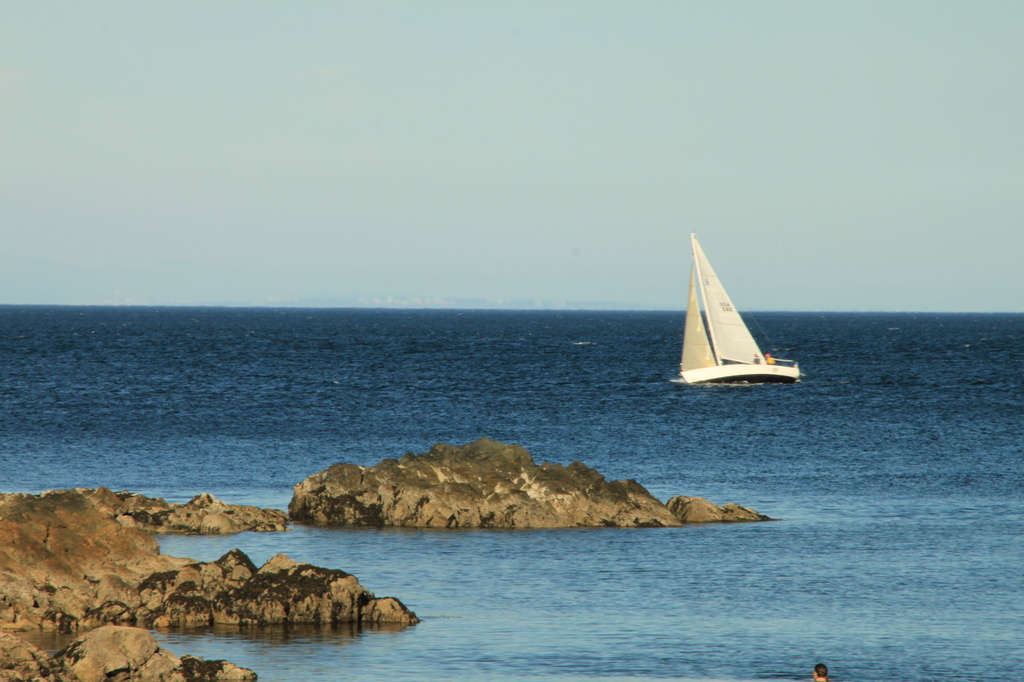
896,469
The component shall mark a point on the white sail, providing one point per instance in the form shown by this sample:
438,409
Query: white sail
730,337
696,348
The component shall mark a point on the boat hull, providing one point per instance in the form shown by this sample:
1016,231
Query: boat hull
749,374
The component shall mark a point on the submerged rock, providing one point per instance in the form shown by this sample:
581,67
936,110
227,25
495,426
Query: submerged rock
485,484
67,564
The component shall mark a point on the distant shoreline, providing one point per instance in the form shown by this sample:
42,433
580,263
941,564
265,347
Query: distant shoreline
481,309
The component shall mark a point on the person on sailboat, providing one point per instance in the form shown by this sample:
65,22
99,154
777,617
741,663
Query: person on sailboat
769,359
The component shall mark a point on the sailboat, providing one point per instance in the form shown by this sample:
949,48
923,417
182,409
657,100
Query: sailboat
723,351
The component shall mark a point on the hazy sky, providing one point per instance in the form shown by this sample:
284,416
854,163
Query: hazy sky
829,155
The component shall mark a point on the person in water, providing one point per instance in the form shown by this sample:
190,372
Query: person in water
820,673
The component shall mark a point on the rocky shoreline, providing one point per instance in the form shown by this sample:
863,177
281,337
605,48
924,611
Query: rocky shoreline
85,560
73,560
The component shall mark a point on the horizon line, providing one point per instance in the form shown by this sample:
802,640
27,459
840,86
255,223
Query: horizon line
413,308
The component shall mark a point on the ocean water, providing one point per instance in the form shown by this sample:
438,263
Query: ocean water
895,468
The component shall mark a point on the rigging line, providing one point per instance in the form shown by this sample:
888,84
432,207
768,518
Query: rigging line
760,330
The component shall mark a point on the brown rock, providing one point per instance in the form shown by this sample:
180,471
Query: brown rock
23,662
485,484
110,654
67,564
204,513
699,510
123,654
114,652
232,590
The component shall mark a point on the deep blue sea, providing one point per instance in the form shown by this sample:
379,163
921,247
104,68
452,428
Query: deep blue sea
896,467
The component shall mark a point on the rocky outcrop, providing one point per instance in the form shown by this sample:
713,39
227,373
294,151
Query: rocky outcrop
204,513
699,510
488,484
107,654
66,563
485,484
232,590
63,556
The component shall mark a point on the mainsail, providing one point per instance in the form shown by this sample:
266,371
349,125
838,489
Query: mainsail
729,335
696,349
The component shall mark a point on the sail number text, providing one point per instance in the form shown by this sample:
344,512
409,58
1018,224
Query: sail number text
726,308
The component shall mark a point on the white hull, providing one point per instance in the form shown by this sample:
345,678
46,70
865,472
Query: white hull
751,374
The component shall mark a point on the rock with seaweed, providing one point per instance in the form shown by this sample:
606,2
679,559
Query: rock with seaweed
484,484
66,563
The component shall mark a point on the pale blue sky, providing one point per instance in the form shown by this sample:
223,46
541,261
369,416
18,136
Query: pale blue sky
830,155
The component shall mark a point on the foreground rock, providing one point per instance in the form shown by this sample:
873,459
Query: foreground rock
485,484
20,661
107,654
699,510
66,563
115,652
